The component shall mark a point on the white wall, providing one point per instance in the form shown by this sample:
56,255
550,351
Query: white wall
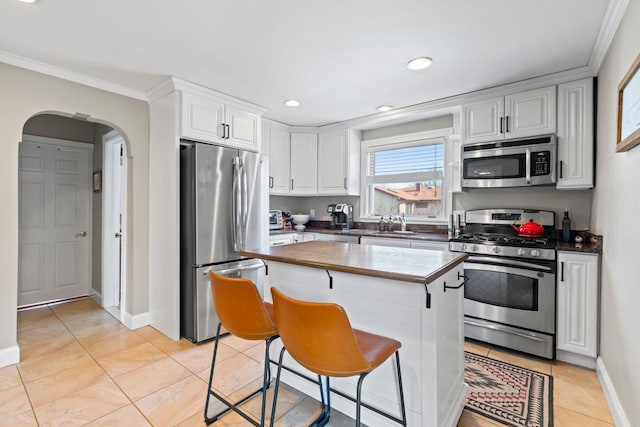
25,94
616,203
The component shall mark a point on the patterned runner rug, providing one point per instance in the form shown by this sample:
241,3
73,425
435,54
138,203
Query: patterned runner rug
509,394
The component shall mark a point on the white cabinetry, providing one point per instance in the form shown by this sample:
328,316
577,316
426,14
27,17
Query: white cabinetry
575,135
385,241
280,239
432,245
304,164
208,118
517,115
337,238
577,310
277,145
339,163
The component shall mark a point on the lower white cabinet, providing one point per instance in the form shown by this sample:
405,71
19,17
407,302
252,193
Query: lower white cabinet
385,241
577,307
434,246
281,239
337,238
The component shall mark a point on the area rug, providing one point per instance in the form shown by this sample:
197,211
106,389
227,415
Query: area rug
509,394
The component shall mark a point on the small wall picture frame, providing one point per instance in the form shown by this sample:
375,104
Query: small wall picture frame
97,181
629,109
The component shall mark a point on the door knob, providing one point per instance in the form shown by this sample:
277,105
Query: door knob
118,234
83,234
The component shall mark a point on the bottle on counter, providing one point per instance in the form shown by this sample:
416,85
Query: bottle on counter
566,227
381,224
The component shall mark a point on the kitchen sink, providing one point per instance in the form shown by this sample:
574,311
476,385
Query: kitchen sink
396,232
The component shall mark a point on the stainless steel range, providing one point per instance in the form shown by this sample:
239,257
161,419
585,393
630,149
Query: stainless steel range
510,290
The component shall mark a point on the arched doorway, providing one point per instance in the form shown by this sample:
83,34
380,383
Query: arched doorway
62,176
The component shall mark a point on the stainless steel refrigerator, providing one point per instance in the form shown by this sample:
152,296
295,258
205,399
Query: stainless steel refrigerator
223,209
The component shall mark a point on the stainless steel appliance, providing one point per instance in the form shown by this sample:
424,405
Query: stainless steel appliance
510,288
341,215
223,206
275,220
510,163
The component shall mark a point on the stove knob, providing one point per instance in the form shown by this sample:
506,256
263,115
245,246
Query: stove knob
521,252
535,252
475,248
496,250
463,246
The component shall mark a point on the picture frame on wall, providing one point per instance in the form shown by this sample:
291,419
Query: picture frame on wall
97,181
629,109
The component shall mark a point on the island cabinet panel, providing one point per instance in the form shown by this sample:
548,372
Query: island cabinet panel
432,359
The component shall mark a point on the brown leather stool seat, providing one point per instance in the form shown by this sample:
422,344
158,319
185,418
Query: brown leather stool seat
319,336
243,313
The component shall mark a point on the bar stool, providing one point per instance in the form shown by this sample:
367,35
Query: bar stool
243,313
319,336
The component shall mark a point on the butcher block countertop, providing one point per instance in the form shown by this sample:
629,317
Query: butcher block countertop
409,265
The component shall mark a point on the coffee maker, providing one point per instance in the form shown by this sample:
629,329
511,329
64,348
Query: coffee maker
341,215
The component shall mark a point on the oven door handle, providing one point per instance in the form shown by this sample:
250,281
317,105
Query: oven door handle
520,334
510,262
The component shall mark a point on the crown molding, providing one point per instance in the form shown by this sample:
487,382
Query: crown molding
72,76
612,18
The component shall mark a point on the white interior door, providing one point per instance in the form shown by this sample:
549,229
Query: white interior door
54,222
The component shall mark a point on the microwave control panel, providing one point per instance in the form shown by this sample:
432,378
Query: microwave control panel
540,163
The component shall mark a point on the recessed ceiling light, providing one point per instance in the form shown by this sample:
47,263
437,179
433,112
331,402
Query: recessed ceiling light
384,108
292,103
28,1
419,63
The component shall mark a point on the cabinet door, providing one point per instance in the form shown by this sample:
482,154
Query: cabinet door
578,303
530,113
339,163
575,135
243,128
384,241
304,164
435,246
482,120
333,151
279,161
202,118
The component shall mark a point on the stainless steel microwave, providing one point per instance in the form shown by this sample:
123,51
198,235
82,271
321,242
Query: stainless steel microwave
275,220
510,163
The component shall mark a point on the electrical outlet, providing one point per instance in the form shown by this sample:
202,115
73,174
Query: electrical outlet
312,213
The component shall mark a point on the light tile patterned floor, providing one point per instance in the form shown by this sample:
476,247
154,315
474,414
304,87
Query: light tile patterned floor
80,366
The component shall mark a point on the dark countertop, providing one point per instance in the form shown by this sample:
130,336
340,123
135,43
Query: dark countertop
585,247
408,265
436,237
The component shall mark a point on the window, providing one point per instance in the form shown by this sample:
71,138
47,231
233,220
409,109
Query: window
405,178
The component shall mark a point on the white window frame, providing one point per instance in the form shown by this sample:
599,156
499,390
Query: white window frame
402,141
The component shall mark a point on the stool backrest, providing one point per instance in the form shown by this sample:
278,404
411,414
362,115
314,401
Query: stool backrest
318,335
240,307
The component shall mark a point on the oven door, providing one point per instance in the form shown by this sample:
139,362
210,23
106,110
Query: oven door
512,292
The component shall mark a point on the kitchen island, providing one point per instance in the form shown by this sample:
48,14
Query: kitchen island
412,295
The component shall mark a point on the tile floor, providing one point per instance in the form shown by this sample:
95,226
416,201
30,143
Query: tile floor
80,366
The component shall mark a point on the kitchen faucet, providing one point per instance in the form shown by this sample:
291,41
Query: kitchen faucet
403,221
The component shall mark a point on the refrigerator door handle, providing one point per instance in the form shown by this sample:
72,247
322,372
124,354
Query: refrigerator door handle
230,270
245,207
235,204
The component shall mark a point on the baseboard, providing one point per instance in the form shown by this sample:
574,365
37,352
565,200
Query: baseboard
619,416
576,359
135,321
96,296
9,356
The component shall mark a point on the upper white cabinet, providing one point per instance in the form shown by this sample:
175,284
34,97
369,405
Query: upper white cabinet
276,143
339,163
577,310
517,115
304,164
210,119
575,135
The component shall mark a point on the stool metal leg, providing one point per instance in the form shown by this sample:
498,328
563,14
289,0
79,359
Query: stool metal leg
236,406
402,408
275,389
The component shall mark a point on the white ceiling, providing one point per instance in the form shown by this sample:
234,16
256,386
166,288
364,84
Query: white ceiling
339,58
